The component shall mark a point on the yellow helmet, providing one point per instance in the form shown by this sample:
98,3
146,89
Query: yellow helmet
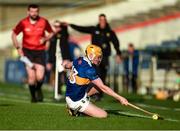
93,51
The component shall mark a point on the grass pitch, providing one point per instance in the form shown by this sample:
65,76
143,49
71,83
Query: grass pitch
16,112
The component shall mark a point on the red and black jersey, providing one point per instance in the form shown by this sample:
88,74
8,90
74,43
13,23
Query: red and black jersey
32,33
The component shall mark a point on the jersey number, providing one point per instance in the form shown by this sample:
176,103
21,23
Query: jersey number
73,73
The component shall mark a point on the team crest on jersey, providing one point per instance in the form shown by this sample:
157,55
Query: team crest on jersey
27,29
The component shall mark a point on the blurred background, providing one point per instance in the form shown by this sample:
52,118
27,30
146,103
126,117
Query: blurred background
153,26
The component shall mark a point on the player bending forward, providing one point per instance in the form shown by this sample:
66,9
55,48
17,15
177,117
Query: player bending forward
82,73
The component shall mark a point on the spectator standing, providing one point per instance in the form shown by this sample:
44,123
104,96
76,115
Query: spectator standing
131,63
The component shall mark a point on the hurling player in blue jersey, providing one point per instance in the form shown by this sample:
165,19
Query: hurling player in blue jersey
82,74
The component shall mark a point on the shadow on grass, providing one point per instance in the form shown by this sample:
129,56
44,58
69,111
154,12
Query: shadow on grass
126,114
6,105
117,112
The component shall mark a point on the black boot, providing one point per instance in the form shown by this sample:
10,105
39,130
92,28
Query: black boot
71,112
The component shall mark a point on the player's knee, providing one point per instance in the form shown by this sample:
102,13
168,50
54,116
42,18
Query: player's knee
103,115
40,78
31,81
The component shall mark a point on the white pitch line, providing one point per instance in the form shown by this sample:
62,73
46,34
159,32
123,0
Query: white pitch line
158,107
14,100
176,109
14,96
21,97
24,101
142,116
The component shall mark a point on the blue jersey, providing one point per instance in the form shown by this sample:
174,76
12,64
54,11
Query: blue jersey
81,74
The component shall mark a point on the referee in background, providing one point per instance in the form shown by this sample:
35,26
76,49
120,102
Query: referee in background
33,28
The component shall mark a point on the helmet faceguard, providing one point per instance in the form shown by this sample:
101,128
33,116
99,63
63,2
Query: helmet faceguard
94,54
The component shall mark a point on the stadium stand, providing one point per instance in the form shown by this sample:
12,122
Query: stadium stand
49,9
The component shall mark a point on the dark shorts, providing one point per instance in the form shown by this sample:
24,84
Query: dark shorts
35,56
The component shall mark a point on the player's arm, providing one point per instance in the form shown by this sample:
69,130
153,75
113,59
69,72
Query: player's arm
98,82
15,41
46,38
115,42
67,64
83,29
15,32
116,45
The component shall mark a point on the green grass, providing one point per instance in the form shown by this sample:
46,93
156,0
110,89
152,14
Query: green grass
16,112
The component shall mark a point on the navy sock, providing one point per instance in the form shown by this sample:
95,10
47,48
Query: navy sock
32,89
